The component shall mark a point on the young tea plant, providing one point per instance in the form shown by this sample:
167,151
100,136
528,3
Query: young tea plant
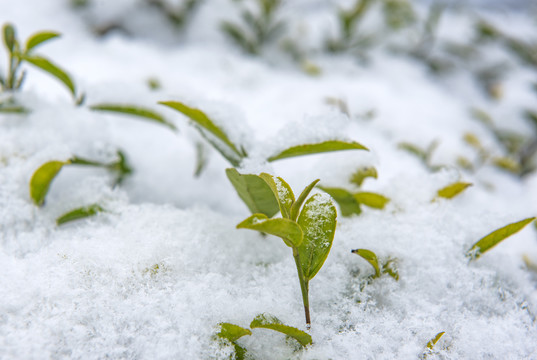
308,230
388,267
18,54
258,28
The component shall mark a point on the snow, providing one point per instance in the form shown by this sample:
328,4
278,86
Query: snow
153,276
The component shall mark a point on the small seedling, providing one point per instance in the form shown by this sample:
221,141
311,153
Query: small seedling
496,237
308,232
389,267
258,29
452,190
358,177
430,345
80,213
424,155
232,332
235,153
17,55
43,176
176,15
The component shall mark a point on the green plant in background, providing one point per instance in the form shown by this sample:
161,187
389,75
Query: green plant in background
17,55
235,153
350,202
46,173
452,190
177,15
79,213
231,332
134,110
307,226
424,155
258,28
495,237
388,267
348,23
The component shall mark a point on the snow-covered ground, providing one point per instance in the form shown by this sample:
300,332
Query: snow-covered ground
153,276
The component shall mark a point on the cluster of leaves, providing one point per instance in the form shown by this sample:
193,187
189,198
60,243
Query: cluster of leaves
259,27
18,55
308,230
231,333
349,202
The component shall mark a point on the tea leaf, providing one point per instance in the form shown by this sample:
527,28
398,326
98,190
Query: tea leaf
295,208
203,123
370,257
134,110
360,175
434,340
325,146
41,179
232,332
453,190
52,69
282,191
13,110
79,213
254,192
370,199
266,321
318,222
508,164
496,237
9,37
39,38
288,230
346,201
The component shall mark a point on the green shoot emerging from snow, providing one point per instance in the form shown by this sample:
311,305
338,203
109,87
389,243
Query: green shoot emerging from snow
389,267
80,213
308,230
17,54
496,237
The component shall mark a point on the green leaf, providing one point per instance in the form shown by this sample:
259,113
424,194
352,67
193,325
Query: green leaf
391,268
496,237
325,146
46,65
41,179
295,209
372,200
370,257
318,222
434,340
288,230
267,321
232,332
413,149
135,111
507,164
254,192
203,123
9,37
201,158
13,110
453,190
346,201
360,175
79,213
39,38
282,191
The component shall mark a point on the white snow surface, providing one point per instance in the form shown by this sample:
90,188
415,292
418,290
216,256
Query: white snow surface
153,276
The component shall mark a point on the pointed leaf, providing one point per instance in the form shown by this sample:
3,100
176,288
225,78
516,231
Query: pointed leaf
288,230
267,321
360,175
496,237
370,257
9,37
232,332
508,164
201,120
346,201
52,69
372,200
453,190
39,38
295,208
41,179
325,146
79,213
254,191
318,223
135,111
434,340
282,191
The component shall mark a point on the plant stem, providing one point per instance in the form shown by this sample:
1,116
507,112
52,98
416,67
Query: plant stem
303,287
